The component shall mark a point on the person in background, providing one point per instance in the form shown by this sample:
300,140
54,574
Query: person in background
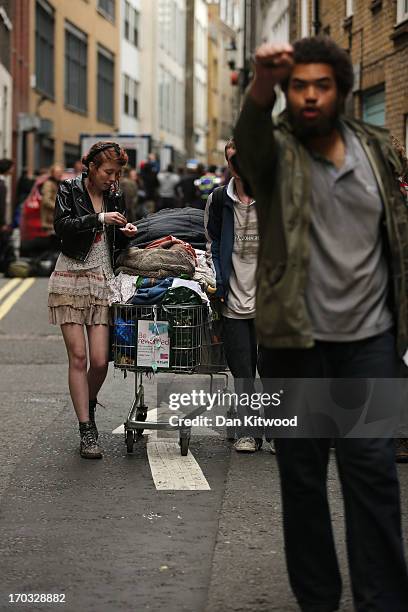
78,167
167,188
134,176
154,162
206,184
48,194
6,166
186,190
130,192
91,224
7,254
24,186
150,182
232,243
23,189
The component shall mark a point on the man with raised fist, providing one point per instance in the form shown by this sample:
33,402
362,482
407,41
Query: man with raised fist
331,302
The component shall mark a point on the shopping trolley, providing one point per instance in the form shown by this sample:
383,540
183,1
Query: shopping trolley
179,339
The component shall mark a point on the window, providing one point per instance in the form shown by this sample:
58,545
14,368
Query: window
44,47
45,152
107,8
161,97
106,71
374,107
349,8
136,28
223,10
126,94
402,10
135,102
131,24
130,97
76,47
127,21
72,153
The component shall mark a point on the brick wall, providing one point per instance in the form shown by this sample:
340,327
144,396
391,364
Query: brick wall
378,46
20,69
20,57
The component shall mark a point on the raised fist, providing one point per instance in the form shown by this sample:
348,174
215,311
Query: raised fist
273,64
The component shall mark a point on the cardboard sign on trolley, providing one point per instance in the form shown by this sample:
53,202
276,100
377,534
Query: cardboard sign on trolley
153,344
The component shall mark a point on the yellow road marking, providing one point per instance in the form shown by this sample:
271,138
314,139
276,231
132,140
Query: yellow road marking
9,286
15,296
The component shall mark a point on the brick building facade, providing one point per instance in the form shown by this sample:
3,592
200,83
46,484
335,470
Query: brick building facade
222,95
375,32
20,69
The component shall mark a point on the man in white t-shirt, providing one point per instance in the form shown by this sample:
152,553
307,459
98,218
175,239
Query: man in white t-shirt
232,234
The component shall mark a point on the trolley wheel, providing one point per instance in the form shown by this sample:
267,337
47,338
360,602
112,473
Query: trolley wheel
141,415
130,440
184,444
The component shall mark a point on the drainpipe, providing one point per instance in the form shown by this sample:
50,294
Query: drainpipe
316,17
244,81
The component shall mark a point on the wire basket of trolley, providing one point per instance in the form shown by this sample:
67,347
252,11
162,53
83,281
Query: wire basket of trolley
164,321
172,338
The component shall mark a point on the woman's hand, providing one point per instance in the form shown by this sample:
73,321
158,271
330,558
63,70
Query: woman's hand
114,218
129,230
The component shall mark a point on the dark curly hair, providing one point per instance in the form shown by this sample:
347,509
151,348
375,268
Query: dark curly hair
5,165
323,50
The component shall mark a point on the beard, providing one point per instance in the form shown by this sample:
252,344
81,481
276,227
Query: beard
323,125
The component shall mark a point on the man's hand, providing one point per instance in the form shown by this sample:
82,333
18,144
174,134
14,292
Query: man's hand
273,64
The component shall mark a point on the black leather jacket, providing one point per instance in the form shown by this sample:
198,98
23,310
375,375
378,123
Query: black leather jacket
76,223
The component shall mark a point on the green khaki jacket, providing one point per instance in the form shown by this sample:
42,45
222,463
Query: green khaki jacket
276,166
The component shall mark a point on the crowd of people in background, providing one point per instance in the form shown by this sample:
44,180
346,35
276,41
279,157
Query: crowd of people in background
151,189
147,189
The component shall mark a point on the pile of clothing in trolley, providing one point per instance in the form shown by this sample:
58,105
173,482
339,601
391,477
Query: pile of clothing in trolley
164,265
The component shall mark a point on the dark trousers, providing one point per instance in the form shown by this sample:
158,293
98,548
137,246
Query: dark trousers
369,483
241,353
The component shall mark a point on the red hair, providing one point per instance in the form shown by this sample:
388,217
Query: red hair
102,152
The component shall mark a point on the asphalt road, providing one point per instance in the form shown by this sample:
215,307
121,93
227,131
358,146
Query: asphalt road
100,532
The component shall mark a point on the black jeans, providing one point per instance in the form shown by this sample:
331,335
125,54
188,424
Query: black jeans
369,483
241,353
